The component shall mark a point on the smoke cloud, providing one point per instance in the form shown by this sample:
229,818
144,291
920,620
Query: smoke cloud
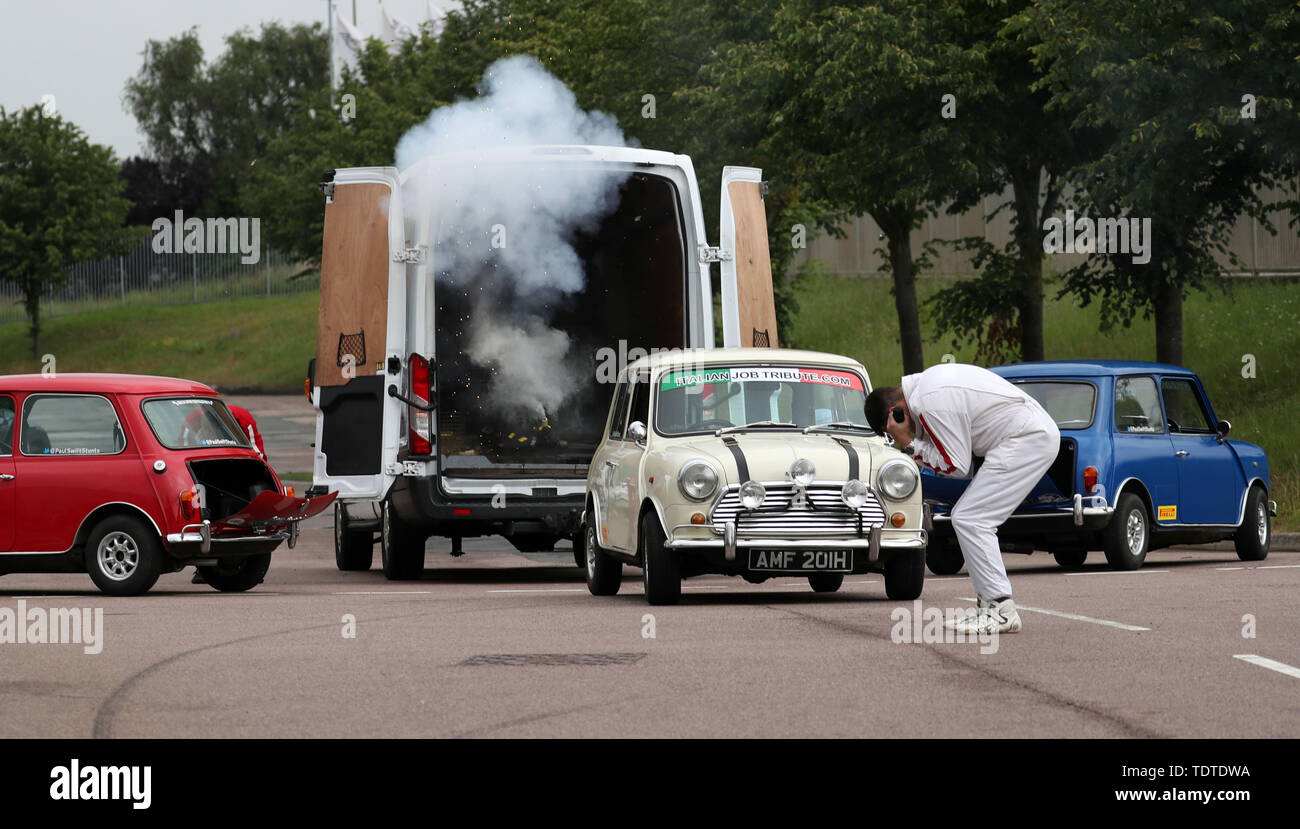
504,232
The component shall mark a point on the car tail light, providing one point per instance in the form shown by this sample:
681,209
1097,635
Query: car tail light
420,441
288,491
1089,480
191,505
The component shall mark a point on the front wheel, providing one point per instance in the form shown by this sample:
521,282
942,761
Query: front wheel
400,548
660,570
1070,559
124,556
239,575
905,575
1128,535
1256,531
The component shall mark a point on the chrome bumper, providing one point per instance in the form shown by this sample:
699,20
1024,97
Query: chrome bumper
201,534
873,543
1078,511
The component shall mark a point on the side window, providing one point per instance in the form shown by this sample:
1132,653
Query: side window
620,412
67,424
1183,407
6,425
640,400
1137,406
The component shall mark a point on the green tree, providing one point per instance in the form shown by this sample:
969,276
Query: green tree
1164,84
223,116
60,203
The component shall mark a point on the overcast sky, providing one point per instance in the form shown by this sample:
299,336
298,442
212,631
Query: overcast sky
83,51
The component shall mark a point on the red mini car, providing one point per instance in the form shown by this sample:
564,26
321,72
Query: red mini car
128,477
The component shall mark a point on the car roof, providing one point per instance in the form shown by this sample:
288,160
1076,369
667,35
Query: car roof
102,383
691,357
1087,368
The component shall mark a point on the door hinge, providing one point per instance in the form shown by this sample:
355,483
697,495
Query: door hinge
711,254
409,256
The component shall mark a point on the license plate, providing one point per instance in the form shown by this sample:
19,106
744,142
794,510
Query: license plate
801,561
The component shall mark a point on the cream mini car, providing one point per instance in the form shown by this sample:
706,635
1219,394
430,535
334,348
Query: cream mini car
752,462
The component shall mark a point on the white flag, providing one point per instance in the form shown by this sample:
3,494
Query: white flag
396,32
347,46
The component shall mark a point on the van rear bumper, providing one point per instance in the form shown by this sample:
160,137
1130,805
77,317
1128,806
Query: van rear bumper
419,501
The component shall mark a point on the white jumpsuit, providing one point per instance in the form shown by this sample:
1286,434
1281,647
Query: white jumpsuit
963,410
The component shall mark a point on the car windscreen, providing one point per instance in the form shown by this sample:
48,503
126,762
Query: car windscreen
1071,405
193,423
718,397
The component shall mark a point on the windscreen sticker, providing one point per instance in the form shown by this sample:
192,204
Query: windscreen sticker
753,374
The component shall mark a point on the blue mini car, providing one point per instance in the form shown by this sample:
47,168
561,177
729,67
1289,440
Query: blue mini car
1144,463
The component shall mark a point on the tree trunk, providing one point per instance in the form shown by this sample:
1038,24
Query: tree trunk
1169,321
1025,184
32,302
897,226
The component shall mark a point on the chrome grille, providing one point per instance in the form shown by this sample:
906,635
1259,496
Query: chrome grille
824,514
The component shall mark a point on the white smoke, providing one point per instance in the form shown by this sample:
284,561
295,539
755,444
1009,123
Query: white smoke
513,222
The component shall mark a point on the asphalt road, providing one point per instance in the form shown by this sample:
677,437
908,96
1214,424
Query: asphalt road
494,644
498,644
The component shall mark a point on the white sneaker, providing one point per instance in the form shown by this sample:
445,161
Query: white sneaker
988,617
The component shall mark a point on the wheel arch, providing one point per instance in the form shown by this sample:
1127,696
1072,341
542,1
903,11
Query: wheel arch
108,510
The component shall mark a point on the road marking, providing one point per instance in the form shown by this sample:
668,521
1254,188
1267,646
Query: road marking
1261,567
1115,572
1075,616
946,578
1271,664
48,597
383,592
544,590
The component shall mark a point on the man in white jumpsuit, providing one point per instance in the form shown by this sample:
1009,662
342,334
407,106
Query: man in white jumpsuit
949,413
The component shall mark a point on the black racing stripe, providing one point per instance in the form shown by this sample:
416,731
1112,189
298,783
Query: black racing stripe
853,456
742,468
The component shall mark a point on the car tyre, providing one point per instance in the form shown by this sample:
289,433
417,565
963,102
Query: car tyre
825,582
1256,531
905,575
401,549
354,550
238,575
1127,537
124,556
1070,559
580,549
660,569
604,573
945,558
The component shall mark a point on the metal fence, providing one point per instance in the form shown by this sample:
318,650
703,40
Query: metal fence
143,277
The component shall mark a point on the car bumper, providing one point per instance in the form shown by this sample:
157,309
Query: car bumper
197,539
730,544
1078,516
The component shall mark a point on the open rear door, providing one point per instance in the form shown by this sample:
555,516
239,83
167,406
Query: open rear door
748,305
361,326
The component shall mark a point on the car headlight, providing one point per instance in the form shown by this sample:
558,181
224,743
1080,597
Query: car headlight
855,494
752,494
897,479
803,472
697,480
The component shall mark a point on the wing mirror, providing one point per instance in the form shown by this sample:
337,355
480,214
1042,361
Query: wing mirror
1223,429
637,432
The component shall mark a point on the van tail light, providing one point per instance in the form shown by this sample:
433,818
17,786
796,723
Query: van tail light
419,440
1089,480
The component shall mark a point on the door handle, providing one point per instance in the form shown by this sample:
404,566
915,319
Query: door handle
612,464
6,477
1182,453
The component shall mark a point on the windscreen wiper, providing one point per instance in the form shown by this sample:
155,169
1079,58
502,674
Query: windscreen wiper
758,424
839,424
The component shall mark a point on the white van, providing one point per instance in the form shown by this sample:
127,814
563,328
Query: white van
419,429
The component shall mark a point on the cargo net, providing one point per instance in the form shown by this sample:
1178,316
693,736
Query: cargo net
354,346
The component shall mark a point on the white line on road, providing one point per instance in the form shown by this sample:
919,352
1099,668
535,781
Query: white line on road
1261,567
1075,616
946,578
383,592
544,590
1115,572
1271,664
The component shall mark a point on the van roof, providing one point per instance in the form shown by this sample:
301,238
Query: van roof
551,153
101,383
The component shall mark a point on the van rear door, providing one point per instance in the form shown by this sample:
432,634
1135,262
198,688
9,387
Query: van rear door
361,333
748,304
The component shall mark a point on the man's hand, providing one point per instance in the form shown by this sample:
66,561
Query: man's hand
900,432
